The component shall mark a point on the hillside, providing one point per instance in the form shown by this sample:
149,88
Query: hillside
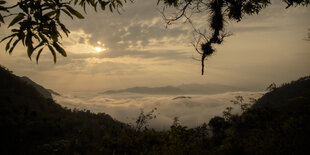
288,93
39,88
32,124
278,123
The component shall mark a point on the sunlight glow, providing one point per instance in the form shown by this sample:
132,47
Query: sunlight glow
99,49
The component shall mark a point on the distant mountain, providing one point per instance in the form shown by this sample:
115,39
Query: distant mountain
179,90
208,88
148,90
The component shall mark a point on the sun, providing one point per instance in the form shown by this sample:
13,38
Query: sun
99,49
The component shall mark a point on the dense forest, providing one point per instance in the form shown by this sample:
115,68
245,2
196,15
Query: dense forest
277,123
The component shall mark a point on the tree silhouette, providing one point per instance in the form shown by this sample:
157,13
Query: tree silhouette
219,11
36,23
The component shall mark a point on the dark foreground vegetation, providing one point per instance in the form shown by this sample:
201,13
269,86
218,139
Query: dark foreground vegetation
31,124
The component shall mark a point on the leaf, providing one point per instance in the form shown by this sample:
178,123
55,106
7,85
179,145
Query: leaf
54,35
43,37
49,14
103,4
64,29
1,19
74,12
8,44
38,55
2,2
15,30
28,40
119,2
68,13
30,51
39,45
5,38
4,9
14,44
95,6
110,7
82,2
84,7
57,14
18,18
60,49
53,32
53,52
36,37
20,34
113,4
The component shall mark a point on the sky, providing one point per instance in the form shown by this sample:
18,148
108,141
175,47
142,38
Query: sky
115,51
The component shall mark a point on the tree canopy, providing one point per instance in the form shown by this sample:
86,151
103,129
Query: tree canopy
37,23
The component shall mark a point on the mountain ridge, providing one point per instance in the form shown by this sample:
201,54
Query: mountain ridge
43,91
178,90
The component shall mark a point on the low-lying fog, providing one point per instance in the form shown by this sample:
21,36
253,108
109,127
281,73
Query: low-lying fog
192,110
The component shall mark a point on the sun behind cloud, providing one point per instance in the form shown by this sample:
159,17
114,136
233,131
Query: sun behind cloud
99,49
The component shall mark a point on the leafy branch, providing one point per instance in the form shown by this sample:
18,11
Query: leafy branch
218,11
37,23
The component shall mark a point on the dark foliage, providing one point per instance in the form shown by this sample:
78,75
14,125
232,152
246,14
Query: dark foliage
31,124
288,93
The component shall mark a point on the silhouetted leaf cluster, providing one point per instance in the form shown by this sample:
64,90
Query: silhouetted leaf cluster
218,12
37,23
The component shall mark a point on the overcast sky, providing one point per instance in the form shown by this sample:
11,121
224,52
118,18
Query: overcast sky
112,51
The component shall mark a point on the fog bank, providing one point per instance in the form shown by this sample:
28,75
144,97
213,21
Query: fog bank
192,110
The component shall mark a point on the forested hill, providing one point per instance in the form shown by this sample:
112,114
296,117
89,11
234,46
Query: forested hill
287,93
32,124
38,87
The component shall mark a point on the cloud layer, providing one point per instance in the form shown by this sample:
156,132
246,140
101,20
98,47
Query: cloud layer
126,107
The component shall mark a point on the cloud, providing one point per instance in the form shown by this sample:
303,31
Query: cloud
140,51
126,107
264,28
138,28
